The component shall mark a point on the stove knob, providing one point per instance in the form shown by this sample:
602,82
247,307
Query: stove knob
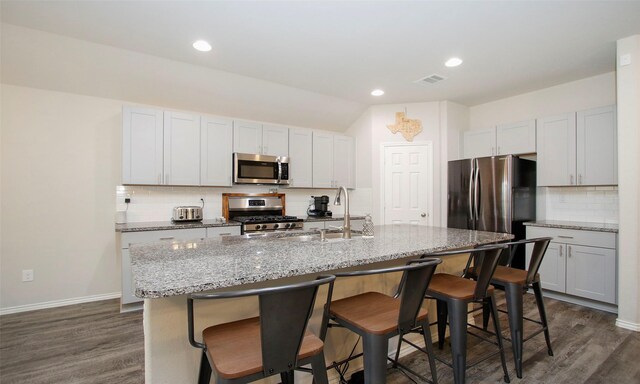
258,226
276,226
290,225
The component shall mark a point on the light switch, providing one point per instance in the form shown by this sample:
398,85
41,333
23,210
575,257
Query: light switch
625,60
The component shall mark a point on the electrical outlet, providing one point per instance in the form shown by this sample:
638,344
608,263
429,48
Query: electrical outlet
27,275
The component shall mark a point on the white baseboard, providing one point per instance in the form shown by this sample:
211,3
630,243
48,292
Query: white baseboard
628,325
58,303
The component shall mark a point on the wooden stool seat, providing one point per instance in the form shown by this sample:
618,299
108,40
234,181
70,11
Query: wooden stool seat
235,350
372,312
508,275
452,286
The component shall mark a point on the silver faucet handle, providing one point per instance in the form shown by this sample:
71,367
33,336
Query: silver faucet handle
338,228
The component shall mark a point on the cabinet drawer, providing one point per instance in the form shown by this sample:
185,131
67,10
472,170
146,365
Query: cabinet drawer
573,236
171,234
223,231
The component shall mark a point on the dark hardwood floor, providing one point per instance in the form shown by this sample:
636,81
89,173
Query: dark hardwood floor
94,343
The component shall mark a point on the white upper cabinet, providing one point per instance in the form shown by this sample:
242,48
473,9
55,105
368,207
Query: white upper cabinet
516,138
301,158
141,146
479,143
216,137
256,138
181,149
597,147
343,162
322,160
275,140
556,146
578,148
247,137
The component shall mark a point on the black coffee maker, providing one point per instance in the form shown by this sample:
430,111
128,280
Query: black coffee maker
320,207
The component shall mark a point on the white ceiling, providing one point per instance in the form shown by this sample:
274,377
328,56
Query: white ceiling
346,49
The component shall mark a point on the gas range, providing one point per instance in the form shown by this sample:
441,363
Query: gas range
259,212
268,222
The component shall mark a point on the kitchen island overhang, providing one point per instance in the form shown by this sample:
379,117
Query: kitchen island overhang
165,272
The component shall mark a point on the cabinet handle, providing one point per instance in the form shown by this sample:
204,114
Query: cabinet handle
569,251
579,179
571,179
159,178
166,178
566,237
225,234
560,251
167,238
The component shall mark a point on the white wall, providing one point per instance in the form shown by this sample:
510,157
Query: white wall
587,93
44,60
381,116
60,165
628,82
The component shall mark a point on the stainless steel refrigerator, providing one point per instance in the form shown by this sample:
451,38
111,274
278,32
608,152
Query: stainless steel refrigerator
495,194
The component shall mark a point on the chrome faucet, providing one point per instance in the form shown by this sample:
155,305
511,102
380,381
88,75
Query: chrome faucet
346,225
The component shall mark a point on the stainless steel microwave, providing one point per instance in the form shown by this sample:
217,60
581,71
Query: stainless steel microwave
260,169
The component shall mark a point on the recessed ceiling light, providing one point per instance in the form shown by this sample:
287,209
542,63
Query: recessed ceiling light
202,46
377,92
453,62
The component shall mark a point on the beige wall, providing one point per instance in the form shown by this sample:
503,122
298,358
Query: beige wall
44,60
628,80
60,166
587,93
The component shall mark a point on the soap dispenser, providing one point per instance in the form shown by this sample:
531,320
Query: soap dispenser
367,227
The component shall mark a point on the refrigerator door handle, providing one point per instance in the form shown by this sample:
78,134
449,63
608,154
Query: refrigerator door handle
471,192
476,193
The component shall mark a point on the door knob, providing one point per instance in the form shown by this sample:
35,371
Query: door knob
423,215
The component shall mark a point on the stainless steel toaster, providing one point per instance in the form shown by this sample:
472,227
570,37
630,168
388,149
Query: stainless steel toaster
187,213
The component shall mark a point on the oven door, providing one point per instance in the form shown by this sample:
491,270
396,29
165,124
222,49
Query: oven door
260,169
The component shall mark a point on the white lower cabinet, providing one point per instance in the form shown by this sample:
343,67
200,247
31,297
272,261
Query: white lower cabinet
578,263
215,232
128,238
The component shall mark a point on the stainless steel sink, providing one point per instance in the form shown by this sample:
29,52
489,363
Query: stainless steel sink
329,237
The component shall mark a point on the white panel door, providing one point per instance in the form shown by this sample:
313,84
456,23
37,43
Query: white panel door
407,184
181,149
216,147
553,267
597,146
247,137
322,160
591,273
343,161
275,140
556,146
479,143
516,138
300,158
141,146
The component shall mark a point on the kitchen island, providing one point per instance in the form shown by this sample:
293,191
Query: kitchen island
165,272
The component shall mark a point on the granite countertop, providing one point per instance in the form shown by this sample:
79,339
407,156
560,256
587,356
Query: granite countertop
165,269
164,225
601,227
332,218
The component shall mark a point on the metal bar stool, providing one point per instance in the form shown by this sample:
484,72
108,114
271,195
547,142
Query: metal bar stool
377,317
454,294
515,283
275,343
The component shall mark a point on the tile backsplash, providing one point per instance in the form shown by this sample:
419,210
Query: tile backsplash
155,203
589,204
